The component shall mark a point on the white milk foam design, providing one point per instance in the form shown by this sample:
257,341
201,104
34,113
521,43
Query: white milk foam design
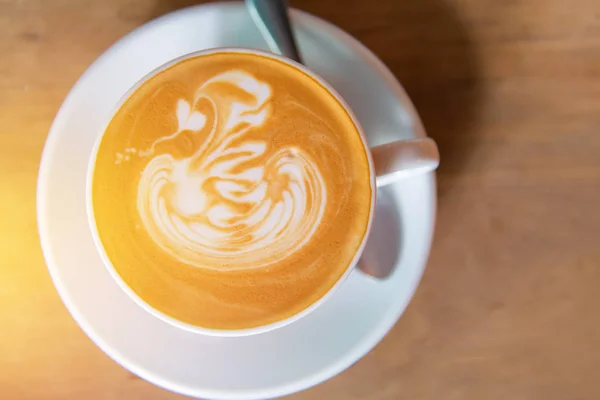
252,217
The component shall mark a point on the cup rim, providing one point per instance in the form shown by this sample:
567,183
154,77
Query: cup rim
171,320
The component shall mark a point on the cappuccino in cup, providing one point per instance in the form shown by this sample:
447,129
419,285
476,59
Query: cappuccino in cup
231,190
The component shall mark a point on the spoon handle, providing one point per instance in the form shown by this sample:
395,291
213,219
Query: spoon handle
271,18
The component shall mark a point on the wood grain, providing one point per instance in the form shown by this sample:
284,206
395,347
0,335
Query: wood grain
508,306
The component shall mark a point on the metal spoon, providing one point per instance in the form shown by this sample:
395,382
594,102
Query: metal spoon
272,19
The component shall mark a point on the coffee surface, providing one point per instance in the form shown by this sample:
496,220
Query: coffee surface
231,190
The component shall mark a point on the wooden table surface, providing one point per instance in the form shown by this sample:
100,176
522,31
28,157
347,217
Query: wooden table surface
508,306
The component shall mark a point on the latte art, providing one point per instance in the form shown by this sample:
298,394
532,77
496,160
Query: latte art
230,191
227,206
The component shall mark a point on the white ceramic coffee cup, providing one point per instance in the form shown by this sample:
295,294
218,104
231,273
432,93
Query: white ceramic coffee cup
387,164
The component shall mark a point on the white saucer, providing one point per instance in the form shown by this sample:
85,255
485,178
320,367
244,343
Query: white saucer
272,364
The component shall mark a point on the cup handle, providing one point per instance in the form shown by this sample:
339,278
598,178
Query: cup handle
402,158
393,161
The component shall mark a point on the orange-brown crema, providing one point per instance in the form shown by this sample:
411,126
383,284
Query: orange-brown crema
231,190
